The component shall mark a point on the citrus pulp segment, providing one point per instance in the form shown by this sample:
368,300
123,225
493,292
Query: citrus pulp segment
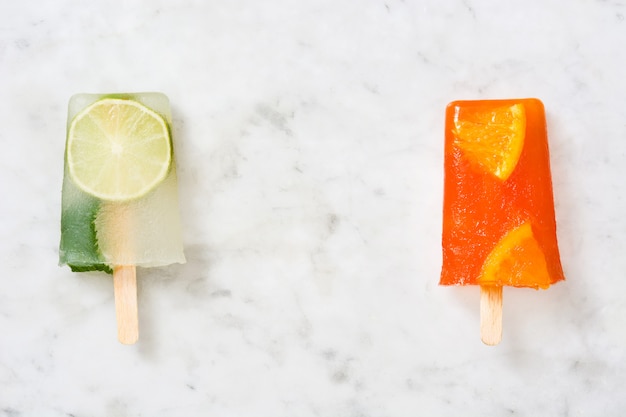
491,138
516,260
118,149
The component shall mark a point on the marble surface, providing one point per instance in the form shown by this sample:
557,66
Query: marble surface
309,139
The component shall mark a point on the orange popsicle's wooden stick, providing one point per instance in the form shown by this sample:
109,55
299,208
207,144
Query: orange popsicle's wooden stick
490,314
125,288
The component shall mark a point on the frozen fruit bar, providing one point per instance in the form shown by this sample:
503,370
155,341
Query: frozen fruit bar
498,213
120,196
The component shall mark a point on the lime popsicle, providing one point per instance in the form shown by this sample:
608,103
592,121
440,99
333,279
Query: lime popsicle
120,193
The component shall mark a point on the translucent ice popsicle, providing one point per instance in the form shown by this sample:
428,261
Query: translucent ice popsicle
120,195
498,215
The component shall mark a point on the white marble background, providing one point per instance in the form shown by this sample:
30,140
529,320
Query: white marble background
309,142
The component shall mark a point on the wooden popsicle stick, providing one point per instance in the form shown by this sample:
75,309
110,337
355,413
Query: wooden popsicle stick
125,288
491,314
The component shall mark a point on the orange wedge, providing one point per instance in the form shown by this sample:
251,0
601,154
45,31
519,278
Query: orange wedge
516,260
491,139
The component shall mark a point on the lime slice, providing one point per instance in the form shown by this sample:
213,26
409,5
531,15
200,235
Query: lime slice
118,150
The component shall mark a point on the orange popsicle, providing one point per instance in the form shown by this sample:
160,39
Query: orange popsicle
498,213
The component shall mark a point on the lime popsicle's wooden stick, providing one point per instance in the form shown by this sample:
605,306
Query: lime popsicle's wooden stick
125,288
491,314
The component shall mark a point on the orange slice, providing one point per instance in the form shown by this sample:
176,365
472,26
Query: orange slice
517,260
491,138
